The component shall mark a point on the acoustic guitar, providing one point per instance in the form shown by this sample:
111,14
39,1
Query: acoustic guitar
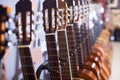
63,41
50,27
24,35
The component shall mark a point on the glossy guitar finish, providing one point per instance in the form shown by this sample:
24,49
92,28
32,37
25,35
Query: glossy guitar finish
99,50
88,64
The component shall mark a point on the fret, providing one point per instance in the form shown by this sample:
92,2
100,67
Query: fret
29,76
63,53
26,60
52,58
72,50
63,50
72,46
22,56
28,69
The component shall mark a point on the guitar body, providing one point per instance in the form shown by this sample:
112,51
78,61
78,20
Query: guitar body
107,51
103,75
105,70
91,66
99,49
87,74
96,60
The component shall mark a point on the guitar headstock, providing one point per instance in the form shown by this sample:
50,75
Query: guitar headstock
24,21
76,10
86,7
50,16
70,4
63,14
4,11
60,13
86,3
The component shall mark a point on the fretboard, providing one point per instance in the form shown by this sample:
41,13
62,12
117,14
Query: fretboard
86,36
53,59
84,42
72,51
64,54
26,61
78,40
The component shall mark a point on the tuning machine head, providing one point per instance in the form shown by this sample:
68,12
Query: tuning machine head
24,21
50,16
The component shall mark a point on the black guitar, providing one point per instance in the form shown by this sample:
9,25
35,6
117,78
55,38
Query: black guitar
24,35
50,27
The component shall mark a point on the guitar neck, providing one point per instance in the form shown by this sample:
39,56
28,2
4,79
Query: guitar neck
53,59
84,42
78,44
27,65
86,37
72,51
64,54
24,34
